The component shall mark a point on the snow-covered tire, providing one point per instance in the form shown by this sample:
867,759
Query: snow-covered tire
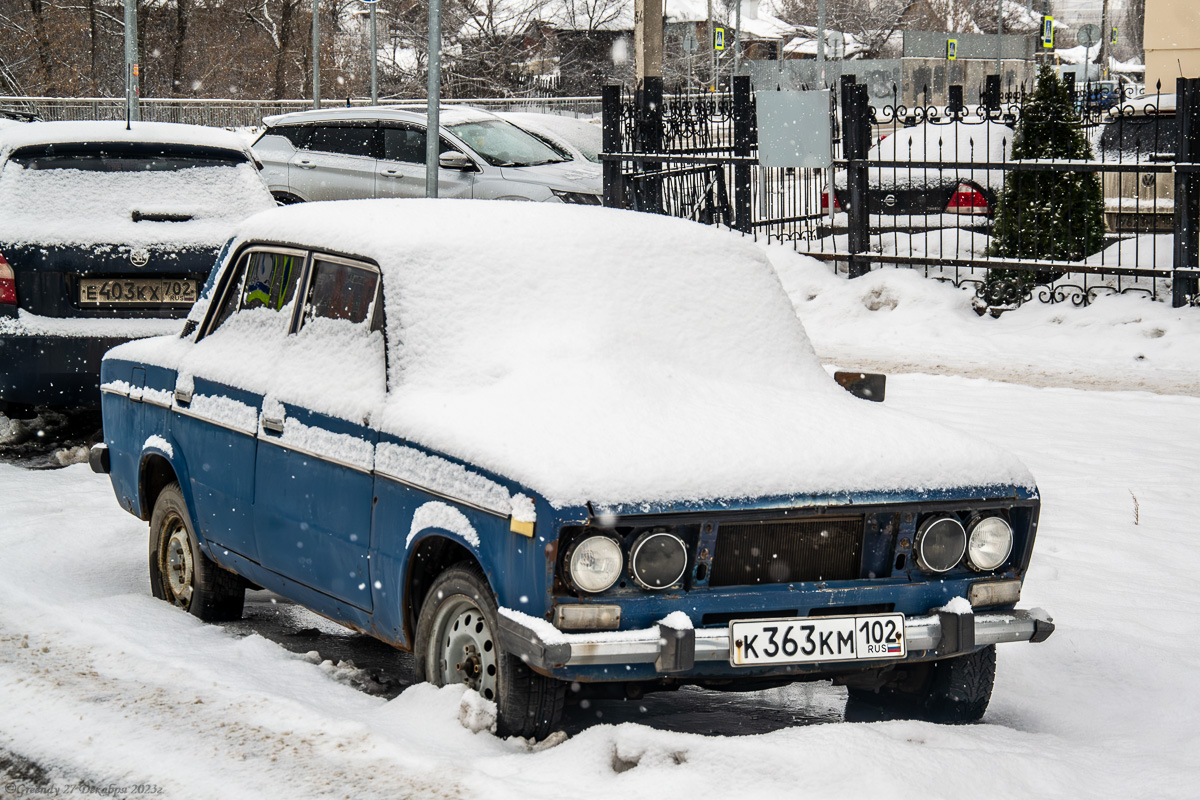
953,690
180,573
457,641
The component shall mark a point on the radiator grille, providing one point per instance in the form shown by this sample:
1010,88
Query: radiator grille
787,551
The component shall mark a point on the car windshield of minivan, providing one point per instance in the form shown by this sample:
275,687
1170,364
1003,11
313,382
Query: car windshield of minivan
504,145
125,156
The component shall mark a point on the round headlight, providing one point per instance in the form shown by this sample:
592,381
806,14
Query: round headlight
990,543
940,544
657,560
595,563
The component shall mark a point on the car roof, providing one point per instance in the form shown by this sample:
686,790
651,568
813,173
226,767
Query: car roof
448,115
41,133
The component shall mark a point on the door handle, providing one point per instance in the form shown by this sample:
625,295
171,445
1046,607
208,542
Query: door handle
305,164
273,424
183,397
393,173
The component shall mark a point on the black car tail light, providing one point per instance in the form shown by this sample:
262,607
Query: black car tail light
8,283
967,200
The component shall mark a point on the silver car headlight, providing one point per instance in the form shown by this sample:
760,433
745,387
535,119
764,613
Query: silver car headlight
989,544
595,563
940,544
578,198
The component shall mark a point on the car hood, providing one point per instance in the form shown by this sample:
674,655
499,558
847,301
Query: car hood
569,176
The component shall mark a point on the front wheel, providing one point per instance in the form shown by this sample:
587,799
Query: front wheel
180,573
953,690
458,642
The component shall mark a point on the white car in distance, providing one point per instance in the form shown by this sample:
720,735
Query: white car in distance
356,153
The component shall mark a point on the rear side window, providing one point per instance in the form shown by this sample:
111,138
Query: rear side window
347,140
124,156
344,291
296,134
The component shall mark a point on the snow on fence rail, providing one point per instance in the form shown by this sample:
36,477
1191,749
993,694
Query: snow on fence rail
228,113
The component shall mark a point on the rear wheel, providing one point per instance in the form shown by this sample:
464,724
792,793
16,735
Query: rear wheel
953,690
457,642
180,573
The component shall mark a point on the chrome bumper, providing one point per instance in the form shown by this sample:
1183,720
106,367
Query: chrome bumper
672,650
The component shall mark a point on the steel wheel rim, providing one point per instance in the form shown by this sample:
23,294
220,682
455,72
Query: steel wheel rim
465,648
178,566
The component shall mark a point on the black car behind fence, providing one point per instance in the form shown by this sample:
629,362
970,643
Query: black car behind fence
930,207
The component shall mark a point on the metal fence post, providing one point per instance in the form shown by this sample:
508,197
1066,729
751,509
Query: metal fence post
856,141
1187,191
649,140
611,116
743,145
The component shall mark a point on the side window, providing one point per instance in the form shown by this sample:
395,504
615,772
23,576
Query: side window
261,279
271,279
296,134
404,144
344,291
347,140
408,144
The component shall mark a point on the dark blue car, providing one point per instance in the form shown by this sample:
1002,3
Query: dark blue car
107,234
552,447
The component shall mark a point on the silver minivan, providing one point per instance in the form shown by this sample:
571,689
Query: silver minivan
352,153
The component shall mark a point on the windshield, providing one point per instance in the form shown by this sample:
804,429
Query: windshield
125,156
505,145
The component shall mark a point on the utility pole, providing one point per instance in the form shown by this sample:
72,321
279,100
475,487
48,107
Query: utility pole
821,42
1000,40
712,49
737,38
1105,37
374,57
132,112
648,40
433,100
316,54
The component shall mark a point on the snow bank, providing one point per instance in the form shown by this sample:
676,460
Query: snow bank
897,320
600,355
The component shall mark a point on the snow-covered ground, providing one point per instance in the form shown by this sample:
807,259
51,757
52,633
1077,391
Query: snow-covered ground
103,684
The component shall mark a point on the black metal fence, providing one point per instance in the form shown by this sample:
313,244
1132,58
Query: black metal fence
921,187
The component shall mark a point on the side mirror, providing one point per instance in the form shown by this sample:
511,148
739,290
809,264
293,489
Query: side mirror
865,385
452,159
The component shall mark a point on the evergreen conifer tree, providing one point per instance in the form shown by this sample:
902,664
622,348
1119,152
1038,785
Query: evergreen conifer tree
1044,215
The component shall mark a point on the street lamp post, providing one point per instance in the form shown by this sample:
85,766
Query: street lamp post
433,95
316,54
132,112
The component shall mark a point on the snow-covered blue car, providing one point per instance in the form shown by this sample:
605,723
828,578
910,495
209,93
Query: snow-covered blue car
554,446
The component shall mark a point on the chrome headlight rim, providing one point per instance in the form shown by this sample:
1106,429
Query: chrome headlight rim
577,548
977,564
638,546
922,538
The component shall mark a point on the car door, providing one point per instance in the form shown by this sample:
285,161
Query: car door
218,391
336,162
316,449
401,171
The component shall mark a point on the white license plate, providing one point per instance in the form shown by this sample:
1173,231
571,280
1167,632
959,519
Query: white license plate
142,291
811,639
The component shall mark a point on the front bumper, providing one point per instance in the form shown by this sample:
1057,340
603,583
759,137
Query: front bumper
940,634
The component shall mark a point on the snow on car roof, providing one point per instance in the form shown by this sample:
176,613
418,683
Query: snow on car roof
611,356
447,115
34,133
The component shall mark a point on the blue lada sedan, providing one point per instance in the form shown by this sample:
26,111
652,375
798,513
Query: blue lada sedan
542,445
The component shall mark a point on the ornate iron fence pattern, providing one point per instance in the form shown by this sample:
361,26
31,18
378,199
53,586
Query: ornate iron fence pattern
919,188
